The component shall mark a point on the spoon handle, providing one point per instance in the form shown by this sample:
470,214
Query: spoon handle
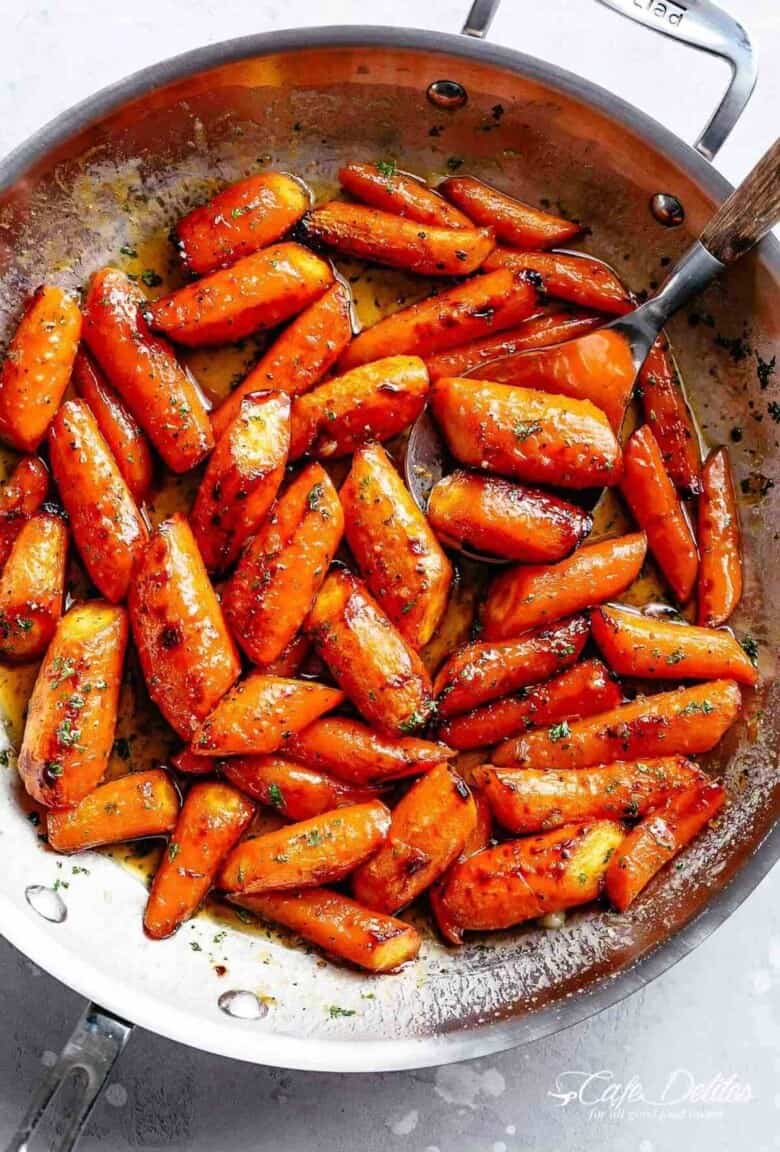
748,214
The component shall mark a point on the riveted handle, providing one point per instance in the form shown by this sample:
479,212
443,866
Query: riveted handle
749,213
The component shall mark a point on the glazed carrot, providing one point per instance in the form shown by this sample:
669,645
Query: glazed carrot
492,515
117,425
596,367
254,294
383,238
383,677
469,311
651,496
578,279
108,530
583,690
686,721
720,544
514,222
487,891
322,850
32,587
348,749
72,712
484,671
652,648
529,800
666,411
37,366
134,806
239,220
210,824
398,555
160,393
373,402
282,569
340,926
191,765
259,713
479,838
297,792
383,186
242,478
187,655
291,660
531,595
20,498
427,833
300,357
657,839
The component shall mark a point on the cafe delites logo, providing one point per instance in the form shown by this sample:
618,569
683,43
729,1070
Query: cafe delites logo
681,1095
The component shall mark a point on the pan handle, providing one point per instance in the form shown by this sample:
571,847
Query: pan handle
94,1047
700,23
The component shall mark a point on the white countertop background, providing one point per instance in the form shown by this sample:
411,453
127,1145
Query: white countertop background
718,1011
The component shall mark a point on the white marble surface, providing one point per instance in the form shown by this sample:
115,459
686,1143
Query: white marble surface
718,1012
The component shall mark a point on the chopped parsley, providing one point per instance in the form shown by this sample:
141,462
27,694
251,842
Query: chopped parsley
559,731
173,850
675,657
150,278
750,645
276,796
335,1010
525,428
386,168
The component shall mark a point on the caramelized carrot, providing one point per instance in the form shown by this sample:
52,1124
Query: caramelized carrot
107,527
239,220
242,478
134,806
72,712
162,396
290,661
578,279
720,544
488,891
667,413
357,754
187,655
20,498
191,765
37,366
398,555
282,569
322,850
484,671
650,495
477,839
297,792
254,294
32,587
652,648
514,222
531,595
383,186
657,839
686,721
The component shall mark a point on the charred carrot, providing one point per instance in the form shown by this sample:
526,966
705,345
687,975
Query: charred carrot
32,587
297,792
134,806
383,186
478,838
515,223
578,279
348,749
666,411
720,544
20,498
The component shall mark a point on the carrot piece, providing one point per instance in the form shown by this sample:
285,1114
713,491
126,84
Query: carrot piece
720,544
583,690
504,519
484,671
107,527
651,496
191,765
667,413
20,498
290,661
479,838
637,645
254,294
187,655
398,555
487,891
242,478
384,187
373,402
37,366
354,753
383,677
32,587
368,234
161,394
300,357
578,279
297,792
117,425
322,850
657,839
72,712
339,926
259,713
210,824
469,311
532,595
239,220
686,721
514,222
133,807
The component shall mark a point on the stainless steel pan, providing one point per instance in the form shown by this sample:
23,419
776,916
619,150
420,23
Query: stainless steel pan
308,101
